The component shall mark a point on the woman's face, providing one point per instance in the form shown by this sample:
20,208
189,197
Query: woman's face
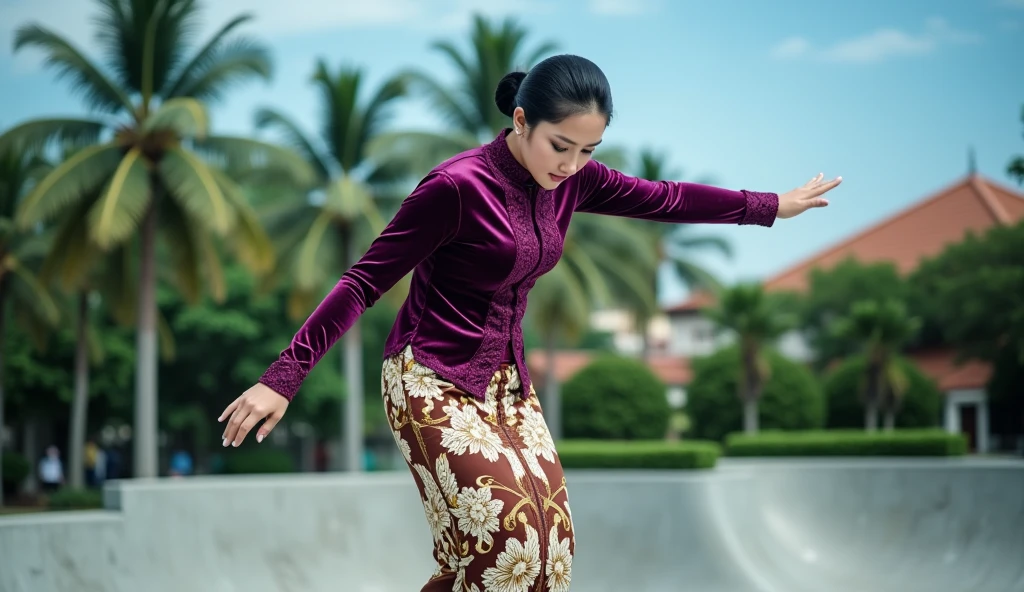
553,152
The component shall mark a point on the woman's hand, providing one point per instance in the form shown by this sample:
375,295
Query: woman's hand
259,402
804,198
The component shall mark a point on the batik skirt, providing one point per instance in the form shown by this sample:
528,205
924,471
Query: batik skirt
489,478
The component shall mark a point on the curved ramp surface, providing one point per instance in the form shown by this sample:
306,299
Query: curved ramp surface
758,526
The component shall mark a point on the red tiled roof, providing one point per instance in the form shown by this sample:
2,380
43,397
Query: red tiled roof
942,367
906,238
670,369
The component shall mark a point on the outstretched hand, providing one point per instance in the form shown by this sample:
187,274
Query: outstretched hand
808,196
257,403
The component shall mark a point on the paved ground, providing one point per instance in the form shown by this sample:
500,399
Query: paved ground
764,526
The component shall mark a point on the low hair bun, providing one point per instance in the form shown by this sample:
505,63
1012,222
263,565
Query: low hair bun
505,94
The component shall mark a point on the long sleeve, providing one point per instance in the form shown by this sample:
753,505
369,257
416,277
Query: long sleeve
603,190
428,218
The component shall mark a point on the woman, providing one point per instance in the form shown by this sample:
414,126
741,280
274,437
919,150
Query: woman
477,232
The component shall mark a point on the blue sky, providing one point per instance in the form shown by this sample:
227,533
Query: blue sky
754,95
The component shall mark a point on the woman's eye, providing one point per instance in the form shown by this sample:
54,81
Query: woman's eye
558,148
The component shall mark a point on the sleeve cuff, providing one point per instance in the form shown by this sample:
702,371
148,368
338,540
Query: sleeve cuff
762,208
284,377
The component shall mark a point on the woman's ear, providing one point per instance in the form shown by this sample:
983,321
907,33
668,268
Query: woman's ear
519,121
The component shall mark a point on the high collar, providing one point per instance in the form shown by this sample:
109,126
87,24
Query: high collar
505,162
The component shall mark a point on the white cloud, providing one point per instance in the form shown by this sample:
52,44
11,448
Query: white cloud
624,7
878,45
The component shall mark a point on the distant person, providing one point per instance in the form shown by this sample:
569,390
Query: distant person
51,470
477,232
181,464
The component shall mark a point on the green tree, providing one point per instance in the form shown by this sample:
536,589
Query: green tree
973,291
830,296
324,228
881,328
792,397
21,292
1016,166
141,173
919,407
747,313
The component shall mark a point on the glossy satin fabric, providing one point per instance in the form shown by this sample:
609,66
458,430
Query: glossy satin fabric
478,232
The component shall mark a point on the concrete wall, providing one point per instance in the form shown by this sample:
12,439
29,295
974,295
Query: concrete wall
764,526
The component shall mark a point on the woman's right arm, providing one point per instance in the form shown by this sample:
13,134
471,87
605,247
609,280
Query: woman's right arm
427,219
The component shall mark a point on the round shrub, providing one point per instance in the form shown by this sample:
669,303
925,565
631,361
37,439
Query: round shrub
921,406
615,398
792,398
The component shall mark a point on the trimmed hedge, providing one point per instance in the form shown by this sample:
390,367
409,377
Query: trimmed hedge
637,454
847,443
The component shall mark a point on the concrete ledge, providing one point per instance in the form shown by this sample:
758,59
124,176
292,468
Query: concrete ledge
778,525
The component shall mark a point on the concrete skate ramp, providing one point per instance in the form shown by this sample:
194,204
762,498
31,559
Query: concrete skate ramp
764,526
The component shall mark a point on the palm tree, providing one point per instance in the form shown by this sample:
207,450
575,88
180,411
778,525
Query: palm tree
1016,166
883,328
21,293
604,259
468,107
139,173
750,316
674,243
323,228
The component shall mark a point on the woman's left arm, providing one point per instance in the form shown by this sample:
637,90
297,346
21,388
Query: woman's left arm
603,190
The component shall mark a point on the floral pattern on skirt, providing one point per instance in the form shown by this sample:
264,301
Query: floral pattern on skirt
491,484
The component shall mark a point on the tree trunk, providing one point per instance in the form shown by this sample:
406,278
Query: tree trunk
750,416
353,368
890,420
146,424
80,403
872,394
751,390
552,390
3,346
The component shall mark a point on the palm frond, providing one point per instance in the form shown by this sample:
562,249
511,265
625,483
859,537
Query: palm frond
417,153
186,117
249,239
36,135
203,56
180,236
99,91
295,139
249,160
145,41
72,255
73,179
453,110
349,200
309,271
192,185
31,291
118,212
228,64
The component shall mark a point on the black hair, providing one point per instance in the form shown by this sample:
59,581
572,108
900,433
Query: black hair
554,89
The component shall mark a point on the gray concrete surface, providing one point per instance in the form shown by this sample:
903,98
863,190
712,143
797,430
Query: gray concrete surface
748,526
